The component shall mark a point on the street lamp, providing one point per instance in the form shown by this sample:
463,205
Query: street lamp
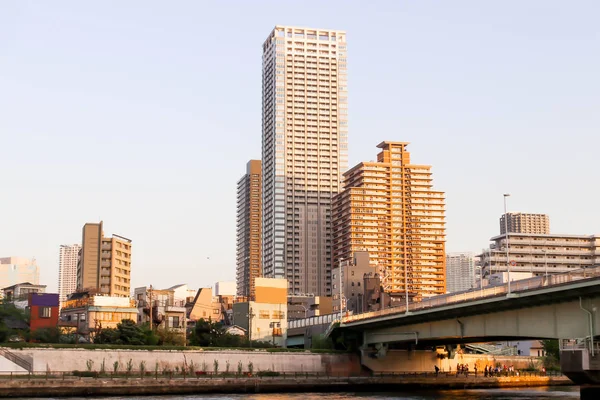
480,268
507,251
341,290
305,309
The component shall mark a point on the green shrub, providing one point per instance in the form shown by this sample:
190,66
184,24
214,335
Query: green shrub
85,374
268,373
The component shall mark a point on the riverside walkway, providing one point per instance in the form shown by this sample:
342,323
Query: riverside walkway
69,385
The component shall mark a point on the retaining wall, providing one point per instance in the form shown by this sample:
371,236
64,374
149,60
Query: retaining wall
78,359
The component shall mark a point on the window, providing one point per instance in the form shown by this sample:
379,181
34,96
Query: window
278,315
45,312
263,314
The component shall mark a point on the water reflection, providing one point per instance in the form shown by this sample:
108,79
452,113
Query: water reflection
541,393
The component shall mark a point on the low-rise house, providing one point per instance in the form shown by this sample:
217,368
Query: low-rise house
163,308
43,310
89,313
265,319
19,294
204,306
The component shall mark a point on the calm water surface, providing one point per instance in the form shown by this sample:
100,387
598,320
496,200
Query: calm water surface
542,393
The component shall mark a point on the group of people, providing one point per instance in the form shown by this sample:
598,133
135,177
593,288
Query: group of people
461,369
464,369
500,371
504,370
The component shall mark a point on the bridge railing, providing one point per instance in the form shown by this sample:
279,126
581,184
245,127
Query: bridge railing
482,293
579,344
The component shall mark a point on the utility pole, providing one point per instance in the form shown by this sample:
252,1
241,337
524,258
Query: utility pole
507,251
150,297
250,325
341,291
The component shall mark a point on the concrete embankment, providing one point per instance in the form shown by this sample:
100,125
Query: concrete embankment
106,387
81,359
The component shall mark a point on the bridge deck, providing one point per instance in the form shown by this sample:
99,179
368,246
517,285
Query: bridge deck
541,288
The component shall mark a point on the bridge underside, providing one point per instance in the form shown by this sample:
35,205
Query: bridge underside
493,321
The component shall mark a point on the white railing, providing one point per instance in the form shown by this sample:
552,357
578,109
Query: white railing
311,321
475,294
579,344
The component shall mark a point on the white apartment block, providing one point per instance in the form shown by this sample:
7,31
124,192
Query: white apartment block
541,254
460,272
67,270
15,270
304,152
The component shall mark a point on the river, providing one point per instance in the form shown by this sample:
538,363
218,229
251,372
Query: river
541,393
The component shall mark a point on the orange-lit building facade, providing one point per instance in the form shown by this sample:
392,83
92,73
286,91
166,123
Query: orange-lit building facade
389,209
248,245
104,264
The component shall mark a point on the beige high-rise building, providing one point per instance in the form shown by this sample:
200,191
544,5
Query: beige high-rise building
104,264
538,224
67,270
304,152
389,209
249,211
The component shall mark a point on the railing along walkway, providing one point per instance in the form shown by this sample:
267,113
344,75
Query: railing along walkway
24,362
524,285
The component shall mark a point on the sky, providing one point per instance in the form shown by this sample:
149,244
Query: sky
143,114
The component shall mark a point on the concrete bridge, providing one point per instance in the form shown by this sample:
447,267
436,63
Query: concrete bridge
562,306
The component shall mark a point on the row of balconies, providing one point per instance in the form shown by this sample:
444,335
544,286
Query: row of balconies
542,260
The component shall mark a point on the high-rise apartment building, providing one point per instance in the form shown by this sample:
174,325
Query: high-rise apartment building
304,152
67,270
389,209
538,224
249,211
460,272
104,264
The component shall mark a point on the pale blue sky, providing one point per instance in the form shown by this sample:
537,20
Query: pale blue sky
144,113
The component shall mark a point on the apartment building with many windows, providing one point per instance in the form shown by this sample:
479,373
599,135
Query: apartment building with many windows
525,223
540,254
104,264
304,152
248,246
67,270
460,272
389,209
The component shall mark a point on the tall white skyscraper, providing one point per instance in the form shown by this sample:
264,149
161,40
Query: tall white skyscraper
460,272
67,270
304,152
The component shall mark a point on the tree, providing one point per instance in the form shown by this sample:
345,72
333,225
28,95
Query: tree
13,317
551,358
169,337
551,348
130,333
207,333
213,334
126,332
46,335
